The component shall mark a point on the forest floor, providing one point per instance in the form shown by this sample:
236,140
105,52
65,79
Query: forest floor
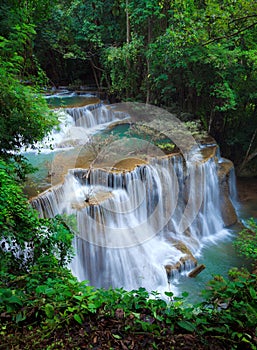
110,333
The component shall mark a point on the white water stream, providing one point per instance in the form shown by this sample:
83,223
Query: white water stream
134,226
137,220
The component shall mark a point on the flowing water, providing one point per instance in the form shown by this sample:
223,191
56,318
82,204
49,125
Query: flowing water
77,126
143,226
129,238
66,99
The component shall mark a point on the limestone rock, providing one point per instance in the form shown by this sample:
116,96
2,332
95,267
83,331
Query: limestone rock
186,259
128,164
228,212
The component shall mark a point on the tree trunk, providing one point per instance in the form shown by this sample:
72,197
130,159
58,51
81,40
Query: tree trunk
249,156
149,38
127,23
196,270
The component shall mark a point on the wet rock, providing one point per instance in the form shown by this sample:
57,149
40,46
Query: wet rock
186,260
170,268
128,164
228,212
91,200
183,248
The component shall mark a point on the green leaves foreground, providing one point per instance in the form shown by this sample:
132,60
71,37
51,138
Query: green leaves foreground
46,309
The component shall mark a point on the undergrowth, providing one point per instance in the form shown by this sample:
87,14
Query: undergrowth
38,311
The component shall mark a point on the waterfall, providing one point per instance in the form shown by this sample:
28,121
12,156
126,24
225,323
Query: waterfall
78,124
232,188
139,228
92,115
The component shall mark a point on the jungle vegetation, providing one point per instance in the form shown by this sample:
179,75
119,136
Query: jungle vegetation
195,58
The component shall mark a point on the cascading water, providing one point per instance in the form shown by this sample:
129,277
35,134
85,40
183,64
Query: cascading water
93,115
142,225
139,228
69,137
77,124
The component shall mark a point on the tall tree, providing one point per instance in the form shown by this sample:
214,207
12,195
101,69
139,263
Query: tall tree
76,34
206,64
24,116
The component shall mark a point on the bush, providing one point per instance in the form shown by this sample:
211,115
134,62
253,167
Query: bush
27,240
246,243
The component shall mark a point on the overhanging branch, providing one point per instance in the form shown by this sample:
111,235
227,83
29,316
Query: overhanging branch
231,35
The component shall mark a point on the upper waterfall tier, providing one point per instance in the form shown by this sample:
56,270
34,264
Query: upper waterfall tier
132,224
78,124
92,115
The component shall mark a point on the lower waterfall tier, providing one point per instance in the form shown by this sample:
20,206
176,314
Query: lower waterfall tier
139,228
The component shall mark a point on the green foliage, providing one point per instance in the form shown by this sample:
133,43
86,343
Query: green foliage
27,240
246,242
228,314
12,48
197,56
69,45
122,64
205,63
24,116
167,147
234,307
17,28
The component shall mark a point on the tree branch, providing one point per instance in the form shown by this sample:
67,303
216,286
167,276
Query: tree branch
249,156
242,18
231,35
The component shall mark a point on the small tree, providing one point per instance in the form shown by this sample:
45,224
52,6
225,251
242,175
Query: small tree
26,240
24,115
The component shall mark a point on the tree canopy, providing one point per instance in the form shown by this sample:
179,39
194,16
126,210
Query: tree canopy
197,57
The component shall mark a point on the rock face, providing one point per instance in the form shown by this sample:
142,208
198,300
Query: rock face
187,260
228,212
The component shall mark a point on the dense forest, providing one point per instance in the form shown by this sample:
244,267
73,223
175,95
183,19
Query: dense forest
195,58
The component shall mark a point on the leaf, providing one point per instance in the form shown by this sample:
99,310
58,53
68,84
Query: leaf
116,336
92,307
49,311
78,297
252,292
20,317
78,318
187,325
136,314
14,300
